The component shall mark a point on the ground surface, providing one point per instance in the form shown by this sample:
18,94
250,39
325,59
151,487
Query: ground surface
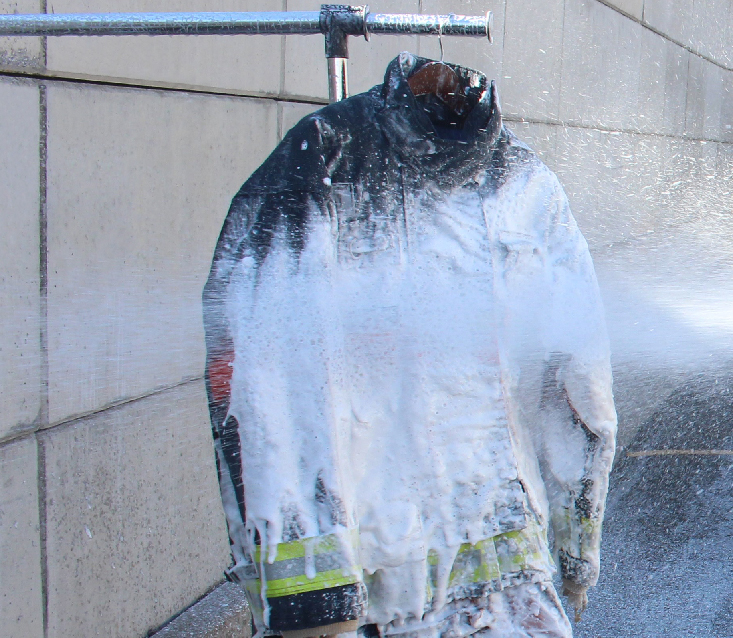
667,558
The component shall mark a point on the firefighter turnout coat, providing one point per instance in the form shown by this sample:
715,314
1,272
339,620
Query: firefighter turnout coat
408,369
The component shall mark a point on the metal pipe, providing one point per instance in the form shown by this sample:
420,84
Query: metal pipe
249,23
336,22
209,23
400,24
338,85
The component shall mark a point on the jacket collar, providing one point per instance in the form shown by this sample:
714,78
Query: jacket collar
450,162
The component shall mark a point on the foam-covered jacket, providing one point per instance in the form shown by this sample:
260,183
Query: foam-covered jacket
408,369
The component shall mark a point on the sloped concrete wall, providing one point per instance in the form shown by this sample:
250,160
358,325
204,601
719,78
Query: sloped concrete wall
118,158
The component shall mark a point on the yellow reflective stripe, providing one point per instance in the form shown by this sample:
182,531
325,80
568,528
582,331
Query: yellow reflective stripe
491,558
486,561
576,534
328,552
475,564
489,568
589,525
302,584
319,545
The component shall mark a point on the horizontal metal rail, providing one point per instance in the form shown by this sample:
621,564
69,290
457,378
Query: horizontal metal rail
396,23
335,21
249,23
209,23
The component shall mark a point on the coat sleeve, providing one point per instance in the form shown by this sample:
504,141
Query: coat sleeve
271,382
273,200
576,407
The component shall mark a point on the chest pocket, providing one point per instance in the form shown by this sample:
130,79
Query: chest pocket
363,237
518,253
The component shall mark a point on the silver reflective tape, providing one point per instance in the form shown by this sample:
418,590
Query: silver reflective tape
296,566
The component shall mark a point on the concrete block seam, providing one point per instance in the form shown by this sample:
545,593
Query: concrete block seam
43,338
562,59
318,102
122,402
156,86
643,23
605,129
43,249
16,436
42,523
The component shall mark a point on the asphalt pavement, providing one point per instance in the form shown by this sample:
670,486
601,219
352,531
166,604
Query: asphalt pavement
667,553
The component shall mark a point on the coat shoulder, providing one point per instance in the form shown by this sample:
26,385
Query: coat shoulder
516,160
301,161
524,195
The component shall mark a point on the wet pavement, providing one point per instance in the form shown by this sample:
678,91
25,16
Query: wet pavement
667,554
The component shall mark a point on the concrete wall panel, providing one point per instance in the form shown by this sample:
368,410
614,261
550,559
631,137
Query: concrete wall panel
21,613
663,86
634,8
135,526
305,73
709,23
618,75
704,101
704,27
20,379
245,63
726,113
615,182
532,61
675,89
21,53
541,138
292,112
675,18
600,66
139,185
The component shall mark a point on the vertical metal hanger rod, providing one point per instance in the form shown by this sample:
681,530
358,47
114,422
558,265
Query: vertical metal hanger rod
338,21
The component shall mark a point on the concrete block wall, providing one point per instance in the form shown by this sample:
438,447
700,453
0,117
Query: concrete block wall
118,158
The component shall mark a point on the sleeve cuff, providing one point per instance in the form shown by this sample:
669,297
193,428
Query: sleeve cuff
577,570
